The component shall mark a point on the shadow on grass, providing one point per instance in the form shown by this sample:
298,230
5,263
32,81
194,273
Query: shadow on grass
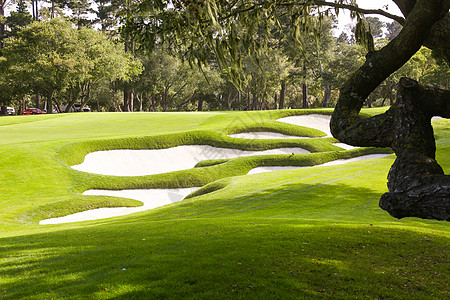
225,259
243,248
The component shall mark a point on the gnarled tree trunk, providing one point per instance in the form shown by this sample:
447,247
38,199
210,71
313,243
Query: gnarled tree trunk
417,184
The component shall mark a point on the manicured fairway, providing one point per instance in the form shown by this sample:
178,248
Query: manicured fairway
295,234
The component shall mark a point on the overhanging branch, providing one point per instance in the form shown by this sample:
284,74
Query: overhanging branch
381,12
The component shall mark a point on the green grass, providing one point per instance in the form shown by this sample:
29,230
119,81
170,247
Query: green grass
310,233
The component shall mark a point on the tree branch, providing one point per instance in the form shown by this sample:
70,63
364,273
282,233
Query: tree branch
325,3
362,10
405,6
378,66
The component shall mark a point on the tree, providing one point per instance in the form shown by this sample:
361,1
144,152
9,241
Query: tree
80,12
417,185
393,30
105,15
43,56
77,11
3,5
18,19
312,63
376,26
422,67
102,60
345,60
60,62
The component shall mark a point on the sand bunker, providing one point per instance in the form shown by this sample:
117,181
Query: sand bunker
151,199
330,163
345,146
263,135
148,162
319,122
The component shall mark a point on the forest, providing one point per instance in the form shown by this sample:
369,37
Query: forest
62,54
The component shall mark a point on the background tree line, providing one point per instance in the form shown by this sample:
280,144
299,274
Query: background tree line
58,53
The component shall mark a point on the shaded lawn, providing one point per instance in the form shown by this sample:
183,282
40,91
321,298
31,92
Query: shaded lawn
204,258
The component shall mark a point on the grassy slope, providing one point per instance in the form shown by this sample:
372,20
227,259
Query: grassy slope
305,233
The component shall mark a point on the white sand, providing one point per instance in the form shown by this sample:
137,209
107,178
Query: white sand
345,146
263,135
151,199
319,122
148,162
330,163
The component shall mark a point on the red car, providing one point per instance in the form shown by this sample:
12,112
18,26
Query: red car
33,111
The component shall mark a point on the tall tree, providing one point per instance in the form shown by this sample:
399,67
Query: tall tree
35,9
81,10
393,29
19,18
105,15
51,58
417,185
3,5
376,26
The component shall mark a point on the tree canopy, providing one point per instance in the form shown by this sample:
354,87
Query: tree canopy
289,71
52,57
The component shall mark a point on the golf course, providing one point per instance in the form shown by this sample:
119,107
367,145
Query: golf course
309,230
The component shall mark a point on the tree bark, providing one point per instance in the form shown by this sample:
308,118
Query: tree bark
439,33
50,102
327,94
126,98
37,100
152,105
304,89
304,95
52,15
36,10
417,186
131,102
165,99
239,97
2,25
230,98
200,104
282,95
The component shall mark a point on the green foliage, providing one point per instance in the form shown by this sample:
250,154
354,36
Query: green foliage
363,35
60,62
18,19
376,26
393,29
229,30
243,55
423,67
